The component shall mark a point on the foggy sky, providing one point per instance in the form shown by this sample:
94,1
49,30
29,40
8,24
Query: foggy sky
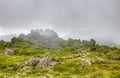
69,18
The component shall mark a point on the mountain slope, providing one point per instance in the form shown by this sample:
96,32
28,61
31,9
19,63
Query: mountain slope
83,62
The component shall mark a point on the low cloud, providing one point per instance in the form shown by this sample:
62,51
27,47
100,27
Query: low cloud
72,18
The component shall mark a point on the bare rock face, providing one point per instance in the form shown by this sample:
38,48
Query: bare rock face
9,52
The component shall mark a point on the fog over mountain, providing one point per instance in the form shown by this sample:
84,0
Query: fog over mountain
84,19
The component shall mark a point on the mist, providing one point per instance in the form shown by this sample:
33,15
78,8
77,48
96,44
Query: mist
84,19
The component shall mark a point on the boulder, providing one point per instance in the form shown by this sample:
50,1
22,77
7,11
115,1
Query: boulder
32,62
93,49
8,51
84,50
47,62
87,61
44,62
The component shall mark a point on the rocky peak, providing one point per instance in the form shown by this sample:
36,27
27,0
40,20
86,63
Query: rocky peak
45,37
45,33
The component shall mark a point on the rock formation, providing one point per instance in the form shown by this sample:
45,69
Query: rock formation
46,37
46,62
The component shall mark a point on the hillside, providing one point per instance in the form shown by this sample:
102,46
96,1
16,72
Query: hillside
24,59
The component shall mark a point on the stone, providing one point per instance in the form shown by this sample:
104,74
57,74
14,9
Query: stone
87,61
44,62
84,50
47,62
32,62
10,52
81,51
93,49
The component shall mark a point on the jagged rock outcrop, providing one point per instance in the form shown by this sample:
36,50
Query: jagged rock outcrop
45,62
46,37
8,51
32,61
49,38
